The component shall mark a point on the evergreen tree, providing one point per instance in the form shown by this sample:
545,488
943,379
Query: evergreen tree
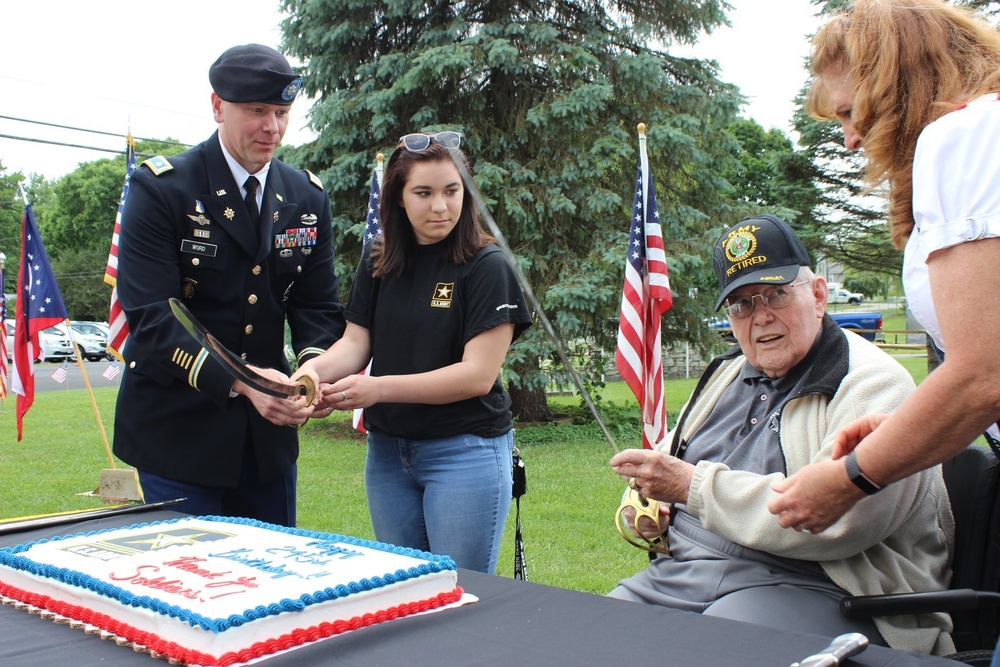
548,96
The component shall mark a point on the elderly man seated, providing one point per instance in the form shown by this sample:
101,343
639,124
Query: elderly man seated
762,411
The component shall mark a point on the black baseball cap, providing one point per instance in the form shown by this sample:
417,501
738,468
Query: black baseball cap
254,73
762,250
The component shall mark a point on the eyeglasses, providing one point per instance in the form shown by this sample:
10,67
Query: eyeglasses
419,142
773,296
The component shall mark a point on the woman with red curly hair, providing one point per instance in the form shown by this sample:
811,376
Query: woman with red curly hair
916,84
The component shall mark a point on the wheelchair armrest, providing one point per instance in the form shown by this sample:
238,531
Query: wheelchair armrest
865,606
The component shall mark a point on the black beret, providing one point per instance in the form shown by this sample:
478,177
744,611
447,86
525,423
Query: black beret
254,73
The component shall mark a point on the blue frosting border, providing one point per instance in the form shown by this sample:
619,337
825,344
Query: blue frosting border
10,558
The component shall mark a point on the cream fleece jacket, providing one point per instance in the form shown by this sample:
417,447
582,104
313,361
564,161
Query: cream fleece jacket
898,540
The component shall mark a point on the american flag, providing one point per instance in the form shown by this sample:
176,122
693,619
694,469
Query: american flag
116,317
112,371
372,226
645,297
3,337
59,374
39,306
372,229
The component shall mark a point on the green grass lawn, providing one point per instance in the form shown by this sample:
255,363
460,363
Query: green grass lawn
567,515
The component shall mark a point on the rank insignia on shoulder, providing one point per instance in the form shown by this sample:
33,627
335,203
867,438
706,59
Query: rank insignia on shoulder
158,165
314,179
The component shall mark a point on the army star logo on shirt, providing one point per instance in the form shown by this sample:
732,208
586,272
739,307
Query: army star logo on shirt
443,293
229,213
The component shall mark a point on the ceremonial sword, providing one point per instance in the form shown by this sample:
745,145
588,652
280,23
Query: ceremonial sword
235,366
841,648
642,505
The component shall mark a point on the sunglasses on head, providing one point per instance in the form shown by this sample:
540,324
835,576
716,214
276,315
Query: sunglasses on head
419,141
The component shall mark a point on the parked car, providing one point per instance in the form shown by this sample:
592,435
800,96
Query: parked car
838,294
53,343
92,337
865,324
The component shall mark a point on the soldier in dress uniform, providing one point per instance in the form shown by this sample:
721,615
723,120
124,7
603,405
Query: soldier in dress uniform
246,243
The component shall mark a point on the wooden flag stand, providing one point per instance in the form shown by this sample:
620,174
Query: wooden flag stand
116,484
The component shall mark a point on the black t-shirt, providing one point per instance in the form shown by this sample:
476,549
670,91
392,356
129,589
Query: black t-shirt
422,321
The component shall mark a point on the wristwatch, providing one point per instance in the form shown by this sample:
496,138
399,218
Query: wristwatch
858,477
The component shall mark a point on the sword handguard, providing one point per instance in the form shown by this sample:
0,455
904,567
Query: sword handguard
644,507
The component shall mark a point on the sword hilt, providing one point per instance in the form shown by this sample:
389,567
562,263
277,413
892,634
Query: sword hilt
307,388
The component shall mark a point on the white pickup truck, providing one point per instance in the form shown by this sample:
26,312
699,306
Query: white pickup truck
840,295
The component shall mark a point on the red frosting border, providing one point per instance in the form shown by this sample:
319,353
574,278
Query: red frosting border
174,651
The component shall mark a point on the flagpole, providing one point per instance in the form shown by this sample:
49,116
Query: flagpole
90,391
378,167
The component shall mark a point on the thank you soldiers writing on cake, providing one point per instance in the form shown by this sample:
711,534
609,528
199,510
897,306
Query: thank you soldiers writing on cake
245,242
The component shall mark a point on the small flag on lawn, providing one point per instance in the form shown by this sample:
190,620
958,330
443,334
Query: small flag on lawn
112,371
59,374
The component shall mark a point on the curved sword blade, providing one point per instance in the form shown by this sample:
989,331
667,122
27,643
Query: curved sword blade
232,363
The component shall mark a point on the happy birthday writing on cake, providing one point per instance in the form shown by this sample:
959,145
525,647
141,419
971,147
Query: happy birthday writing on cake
316,553
283,561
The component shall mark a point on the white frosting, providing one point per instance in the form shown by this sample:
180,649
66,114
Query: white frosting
215,571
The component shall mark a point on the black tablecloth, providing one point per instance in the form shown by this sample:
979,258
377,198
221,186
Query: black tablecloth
514,623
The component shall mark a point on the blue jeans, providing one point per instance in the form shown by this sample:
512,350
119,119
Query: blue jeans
449,496
272,503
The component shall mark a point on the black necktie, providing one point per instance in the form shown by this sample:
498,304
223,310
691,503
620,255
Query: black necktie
251,199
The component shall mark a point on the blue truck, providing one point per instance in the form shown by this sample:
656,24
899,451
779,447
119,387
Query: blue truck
867,324
864,323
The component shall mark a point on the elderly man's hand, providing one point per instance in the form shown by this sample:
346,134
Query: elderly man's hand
658,476
647,529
